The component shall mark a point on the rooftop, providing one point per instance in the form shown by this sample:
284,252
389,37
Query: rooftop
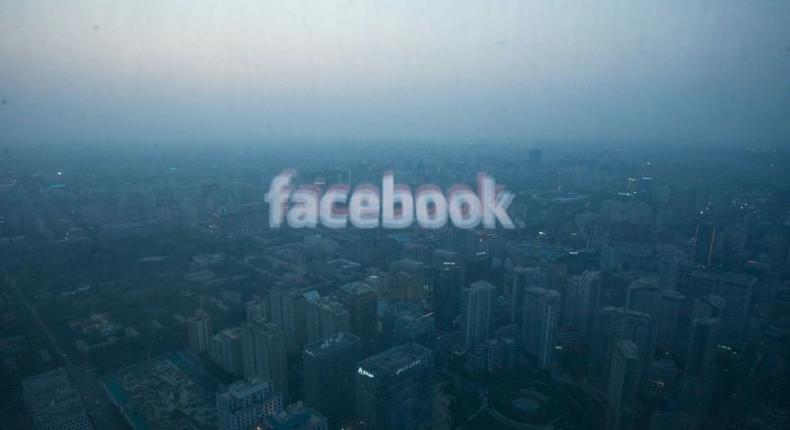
244,388
332,343
628,348
737,278
356,288
396,360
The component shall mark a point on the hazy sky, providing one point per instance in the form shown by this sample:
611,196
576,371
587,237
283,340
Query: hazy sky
158,71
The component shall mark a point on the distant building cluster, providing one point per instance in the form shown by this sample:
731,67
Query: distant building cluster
638,291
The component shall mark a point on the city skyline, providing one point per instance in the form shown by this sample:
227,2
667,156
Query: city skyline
360,215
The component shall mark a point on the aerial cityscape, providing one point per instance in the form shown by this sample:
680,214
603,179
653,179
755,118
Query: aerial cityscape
207,228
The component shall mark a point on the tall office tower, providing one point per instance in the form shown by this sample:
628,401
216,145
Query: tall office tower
558,217
409,280
583,260
613,324
668,272
245,404
476,303
698,381
624,379
500,351
361,302
265,354
700,359
705,244
672,317
405,322
288,308
394,389
461,241
643,295
517,281
662,382
708,306
329,365
257,309
482,267
508,337
296,416
53,403
326,317
581,301
253,350
485,356
523,278
541,315
737,290
417,251
199,331
226,350
447,279
698,283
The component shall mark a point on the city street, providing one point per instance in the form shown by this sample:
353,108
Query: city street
100,408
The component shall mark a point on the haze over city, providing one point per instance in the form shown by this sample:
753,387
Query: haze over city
589,71
411,215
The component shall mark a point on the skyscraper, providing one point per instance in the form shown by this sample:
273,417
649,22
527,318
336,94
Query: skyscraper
705,243
253,349
410,279
662,382
583,260
394,389
447,280
405,322
226,350
700,359
708,306
737,290
199,331
668,272
288,306
624,378
257,309
644,296
698,283
673,311
614,324
699,376
581,300
521,279
476,303
326,317
265,355
245,404
360,300
541,315
329,366
461,241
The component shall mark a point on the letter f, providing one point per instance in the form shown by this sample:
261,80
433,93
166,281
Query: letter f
278,195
